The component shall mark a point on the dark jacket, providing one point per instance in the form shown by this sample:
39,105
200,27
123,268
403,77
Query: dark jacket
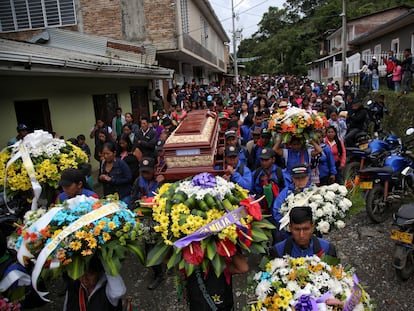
147,142
358,119
121,179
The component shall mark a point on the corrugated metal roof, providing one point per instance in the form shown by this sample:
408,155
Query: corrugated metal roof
75,41
13,51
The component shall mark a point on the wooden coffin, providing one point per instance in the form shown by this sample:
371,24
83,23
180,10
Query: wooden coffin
192,147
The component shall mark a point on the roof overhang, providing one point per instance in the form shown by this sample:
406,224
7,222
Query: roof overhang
395,24
25,58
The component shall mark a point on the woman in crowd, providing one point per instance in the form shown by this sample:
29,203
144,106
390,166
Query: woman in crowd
338,151
124,152
103,137
114,174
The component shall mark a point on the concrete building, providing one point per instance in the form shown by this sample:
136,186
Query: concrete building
330,65
100,54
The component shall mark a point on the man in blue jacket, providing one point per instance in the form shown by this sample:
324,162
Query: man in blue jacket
302,242
298,180
234,171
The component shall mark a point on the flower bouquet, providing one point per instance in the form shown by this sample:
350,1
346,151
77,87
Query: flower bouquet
203,220
329,206
308,284
38,159
69,234
6,305
296,122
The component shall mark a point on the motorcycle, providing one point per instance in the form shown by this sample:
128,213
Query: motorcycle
403,260
372,153
387,184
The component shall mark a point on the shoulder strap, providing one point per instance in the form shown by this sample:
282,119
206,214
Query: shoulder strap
257,173
280,178
316,246
240,169
288,246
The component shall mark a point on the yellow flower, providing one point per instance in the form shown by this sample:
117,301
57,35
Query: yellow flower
285,293
102,224
56,233
163,188
111,225
106,236
75,245
92,243
86,252
80,234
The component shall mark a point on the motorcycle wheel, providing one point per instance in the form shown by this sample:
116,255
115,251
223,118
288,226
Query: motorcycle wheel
375,205
350,174
405,273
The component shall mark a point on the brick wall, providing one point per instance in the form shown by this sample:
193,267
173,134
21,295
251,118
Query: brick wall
102,18
160,16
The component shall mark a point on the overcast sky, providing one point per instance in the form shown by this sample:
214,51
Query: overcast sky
250,13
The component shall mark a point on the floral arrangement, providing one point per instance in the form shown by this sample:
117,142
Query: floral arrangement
203,220
69,234
50,156
307,284
329,206
5,305
296,122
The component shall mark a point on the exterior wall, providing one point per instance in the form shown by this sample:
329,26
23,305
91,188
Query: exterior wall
362,25
101,18
70,101
403,34
161,28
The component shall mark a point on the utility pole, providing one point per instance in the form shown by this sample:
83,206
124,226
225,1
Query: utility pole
236,71
344,72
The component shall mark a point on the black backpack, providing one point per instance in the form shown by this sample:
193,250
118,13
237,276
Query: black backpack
279,174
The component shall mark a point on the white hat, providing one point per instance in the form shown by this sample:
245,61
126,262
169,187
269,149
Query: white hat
339,99
373,57
341,92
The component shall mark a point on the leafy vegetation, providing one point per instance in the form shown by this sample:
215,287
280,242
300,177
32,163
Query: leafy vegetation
290,37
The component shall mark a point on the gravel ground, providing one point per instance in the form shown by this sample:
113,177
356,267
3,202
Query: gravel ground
368,248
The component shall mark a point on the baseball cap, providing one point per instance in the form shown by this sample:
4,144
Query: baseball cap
283,104
229,134
209,98
70,176
146,165
265,132
224,115
231,151
300,170
22,127
155,119
266,153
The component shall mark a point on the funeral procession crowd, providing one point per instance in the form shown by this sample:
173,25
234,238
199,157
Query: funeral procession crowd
278,137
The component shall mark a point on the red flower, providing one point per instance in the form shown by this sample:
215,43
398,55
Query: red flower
193,253
245,235
226,248
253,209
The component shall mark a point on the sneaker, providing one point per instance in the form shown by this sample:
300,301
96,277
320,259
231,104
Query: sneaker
156,282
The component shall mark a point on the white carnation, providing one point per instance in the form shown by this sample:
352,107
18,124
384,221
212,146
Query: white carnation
319,213
323,226
262,289
340,224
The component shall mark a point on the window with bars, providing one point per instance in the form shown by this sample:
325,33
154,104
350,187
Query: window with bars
204,32
16,15
184,16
